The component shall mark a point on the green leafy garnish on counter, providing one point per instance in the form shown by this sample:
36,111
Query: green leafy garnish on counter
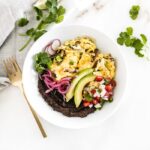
129,30
22,22
126,38
39,13
52,14
144,38
134,11
42,62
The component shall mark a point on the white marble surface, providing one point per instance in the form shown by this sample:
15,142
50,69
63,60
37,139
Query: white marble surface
127,129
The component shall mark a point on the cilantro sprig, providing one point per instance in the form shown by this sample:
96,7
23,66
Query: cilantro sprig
126,38
52,14
42,61
22,22
134,11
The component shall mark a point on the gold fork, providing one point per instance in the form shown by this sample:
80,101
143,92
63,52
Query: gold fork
15,76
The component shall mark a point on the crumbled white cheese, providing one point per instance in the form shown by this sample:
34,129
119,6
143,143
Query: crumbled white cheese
96,94
102,82
98,105
105,98
103,92
91,105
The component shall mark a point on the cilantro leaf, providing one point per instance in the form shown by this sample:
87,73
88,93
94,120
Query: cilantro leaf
39,13
52,14
61,11
30,32
144,38
22,22
138,52
42,61
59,19
126,38
120,40
134,11
38,34
124,35
128,42
137,44
129,30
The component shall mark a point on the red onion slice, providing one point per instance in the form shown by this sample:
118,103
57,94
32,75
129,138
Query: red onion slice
62,85
51,47
55,43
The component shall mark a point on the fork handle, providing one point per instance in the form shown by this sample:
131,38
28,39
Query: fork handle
33,112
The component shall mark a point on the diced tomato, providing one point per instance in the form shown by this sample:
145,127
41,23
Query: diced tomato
93,91
108,88
107,94
99,78
86,104
97,98
95,101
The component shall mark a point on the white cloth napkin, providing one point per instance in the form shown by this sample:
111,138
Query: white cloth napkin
10,11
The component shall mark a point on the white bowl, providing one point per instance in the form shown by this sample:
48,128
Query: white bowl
30,77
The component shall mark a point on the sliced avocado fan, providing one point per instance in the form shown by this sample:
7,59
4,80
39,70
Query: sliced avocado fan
78,96
80,75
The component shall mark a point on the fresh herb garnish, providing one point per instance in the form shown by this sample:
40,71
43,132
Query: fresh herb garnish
88,97
134,11
71,62
144,38
22,22
52,14
42,62
129,40
106,81
110,99
129,30
58,58
39,13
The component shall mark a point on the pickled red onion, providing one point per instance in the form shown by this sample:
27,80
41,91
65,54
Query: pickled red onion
62,85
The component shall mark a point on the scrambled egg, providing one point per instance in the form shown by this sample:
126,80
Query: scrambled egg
105,66
79,54
66,68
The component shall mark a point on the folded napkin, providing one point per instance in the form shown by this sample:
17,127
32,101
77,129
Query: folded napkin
11,11
4,82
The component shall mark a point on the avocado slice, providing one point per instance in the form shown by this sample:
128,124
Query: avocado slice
78,96
80,75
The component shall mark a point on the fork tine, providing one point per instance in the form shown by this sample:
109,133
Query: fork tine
16,64
6,66
10,62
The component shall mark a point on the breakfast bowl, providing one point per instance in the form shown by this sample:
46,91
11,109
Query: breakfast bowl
31,78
